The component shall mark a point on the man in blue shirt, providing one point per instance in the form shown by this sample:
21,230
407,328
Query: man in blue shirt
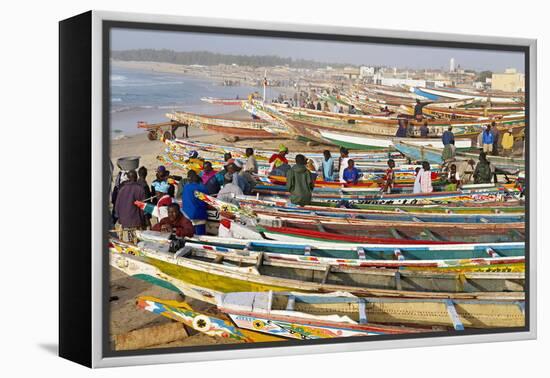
448,139
193,208
351,174
488,139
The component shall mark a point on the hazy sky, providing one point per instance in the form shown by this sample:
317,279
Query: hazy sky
324,51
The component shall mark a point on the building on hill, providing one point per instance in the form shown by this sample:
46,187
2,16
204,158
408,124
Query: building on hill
509,81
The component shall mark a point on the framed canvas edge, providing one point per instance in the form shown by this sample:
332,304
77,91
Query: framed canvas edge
98,360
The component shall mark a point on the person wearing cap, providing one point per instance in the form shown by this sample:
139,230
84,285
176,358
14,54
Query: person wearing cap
163,198
175,223
130,217
234,169
507,143
193,208
161,176
278,159
299,182
230,190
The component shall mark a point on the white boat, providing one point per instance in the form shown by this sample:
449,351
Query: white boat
363,142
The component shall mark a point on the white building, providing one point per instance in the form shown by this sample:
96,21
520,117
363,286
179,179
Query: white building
365,71
452,65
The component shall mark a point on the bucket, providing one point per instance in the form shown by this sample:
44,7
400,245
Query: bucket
128,163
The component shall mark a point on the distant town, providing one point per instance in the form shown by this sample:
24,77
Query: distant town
285,72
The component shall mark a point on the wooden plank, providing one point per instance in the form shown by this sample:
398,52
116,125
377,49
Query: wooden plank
451,309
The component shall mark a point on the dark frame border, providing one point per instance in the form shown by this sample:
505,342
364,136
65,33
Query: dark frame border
108,25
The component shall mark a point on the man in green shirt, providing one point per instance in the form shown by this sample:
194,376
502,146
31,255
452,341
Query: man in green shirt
299,182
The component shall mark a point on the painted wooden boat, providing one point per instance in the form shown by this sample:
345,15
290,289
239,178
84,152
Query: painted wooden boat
460,95
370,227
494,208
243,256
461,196
261,312
434,155
394,217
456,314
184,313
223,101
370,251
361,142
245,128
229,278
320,233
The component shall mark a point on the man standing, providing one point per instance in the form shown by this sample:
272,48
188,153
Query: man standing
299,182
327,166
448,139
487,139
130,216
507,143
344,157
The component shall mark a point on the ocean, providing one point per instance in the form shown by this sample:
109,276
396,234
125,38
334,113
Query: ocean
138,95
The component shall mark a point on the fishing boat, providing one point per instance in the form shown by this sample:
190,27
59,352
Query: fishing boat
226,277
184,313
466,208
434,155
258,311
503,310
435,94
460,196
242,128
210,250
366,142
262,312
223,101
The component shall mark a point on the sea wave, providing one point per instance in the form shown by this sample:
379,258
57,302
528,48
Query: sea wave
118,77
146,84
116,99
